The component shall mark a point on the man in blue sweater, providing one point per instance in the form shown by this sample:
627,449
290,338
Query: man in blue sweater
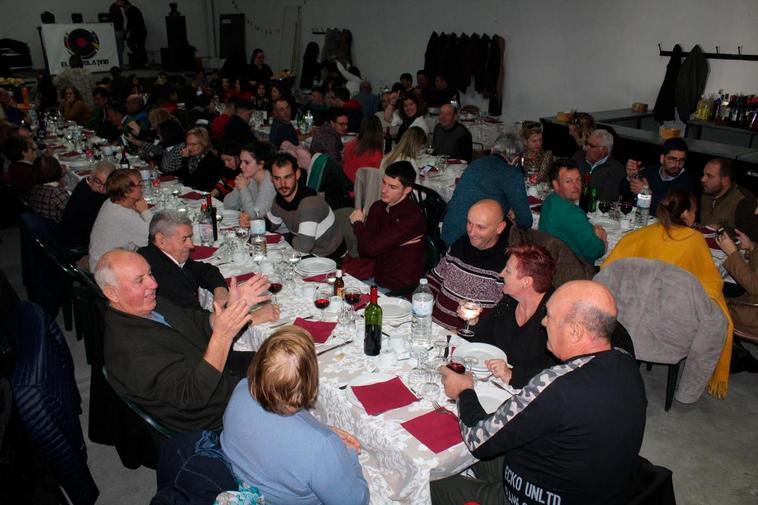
670,174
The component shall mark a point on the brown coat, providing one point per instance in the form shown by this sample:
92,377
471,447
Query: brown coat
568,266
745,317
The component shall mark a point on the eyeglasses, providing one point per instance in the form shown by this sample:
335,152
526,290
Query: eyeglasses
97,182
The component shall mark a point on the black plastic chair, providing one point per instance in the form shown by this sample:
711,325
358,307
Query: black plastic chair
432,205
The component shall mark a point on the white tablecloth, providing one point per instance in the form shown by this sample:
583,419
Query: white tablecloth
397,467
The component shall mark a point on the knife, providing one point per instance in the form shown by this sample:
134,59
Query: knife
319,353
447,348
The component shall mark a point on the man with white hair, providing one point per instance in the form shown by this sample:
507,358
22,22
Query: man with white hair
175,363
573,433
497,177
83,206
606,173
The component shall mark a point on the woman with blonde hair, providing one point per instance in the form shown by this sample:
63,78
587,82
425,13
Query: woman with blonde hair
536,160
411,143
73,106
274,444
201,167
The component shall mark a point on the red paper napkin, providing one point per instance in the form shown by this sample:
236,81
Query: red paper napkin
84,172
383,396
319,330
240,278
273,239
318,278
454,161
167,178
192,195
202,252
436,430
533,200
70,154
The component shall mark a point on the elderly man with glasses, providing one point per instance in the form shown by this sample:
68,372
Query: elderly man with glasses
605,172
669,174
82,208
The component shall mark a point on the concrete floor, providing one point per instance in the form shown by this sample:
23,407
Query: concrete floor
710,446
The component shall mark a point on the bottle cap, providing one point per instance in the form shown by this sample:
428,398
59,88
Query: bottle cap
423,281
339,272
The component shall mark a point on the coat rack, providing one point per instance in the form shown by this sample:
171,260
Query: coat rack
718,55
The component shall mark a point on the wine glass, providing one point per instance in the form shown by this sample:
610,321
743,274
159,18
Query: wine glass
321,299
626,207
275,285
429,150
468,310
241,232
604,206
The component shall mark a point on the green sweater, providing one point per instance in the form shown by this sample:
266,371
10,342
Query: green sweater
568,222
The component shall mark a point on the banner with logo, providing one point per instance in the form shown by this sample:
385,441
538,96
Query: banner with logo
94,42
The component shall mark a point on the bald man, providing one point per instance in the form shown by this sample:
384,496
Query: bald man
471,268
173,362
573,433
82,208
450,136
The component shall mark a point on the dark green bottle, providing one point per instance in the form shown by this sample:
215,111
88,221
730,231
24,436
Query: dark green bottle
372,342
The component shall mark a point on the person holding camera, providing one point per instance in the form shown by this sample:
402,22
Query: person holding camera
745,271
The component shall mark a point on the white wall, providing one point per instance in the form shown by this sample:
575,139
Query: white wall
19,20
560,54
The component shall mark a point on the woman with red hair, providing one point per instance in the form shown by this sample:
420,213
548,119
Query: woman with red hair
515,324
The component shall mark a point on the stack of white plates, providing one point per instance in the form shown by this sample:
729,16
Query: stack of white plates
231,218
482,352
315,266
394,310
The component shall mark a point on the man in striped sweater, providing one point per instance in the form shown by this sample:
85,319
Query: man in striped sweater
308,218
471,268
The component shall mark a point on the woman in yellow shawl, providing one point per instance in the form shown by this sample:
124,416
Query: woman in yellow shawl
672,240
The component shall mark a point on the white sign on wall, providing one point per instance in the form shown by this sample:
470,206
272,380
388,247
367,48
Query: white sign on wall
94,42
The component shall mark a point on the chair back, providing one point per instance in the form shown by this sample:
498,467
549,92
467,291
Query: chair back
669,317
316,172
48,401
368,187
432,205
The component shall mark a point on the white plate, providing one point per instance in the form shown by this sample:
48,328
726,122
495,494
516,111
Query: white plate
365,380
314,266
394,308
481,352
79,164
491,397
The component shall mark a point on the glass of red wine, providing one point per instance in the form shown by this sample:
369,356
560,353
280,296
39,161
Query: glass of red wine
352,296
321,299
604,206
275,286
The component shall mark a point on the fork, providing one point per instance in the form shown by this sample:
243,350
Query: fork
441,409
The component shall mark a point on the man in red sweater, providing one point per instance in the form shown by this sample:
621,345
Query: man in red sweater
393,232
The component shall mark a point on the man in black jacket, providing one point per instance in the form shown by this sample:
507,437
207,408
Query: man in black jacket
571,436
178,275
82,208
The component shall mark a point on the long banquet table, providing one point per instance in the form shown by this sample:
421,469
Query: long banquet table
397,467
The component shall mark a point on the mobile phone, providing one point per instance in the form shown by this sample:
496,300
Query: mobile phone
730,232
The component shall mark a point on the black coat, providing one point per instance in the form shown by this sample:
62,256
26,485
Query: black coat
180,284
208,173
690,83
666,101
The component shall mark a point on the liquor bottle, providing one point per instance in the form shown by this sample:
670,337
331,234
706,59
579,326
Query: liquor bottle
339,285
586,196
212,214
593,200
124,163
372,342
205,225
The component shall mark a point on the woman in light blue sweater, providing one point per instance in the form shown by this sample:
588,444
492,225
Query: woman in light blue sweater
275,444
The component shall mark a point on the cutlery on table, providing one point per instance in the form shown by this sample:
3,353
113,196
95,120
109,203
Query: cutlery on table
319,353
442,410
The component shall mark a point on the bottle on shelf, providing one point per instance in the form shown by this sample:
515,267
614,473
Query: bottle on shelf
372,341
212,214
339,285
421,314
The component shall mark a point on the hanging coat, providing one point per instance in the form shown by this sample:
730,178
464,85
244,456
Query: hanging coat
666,101
690,83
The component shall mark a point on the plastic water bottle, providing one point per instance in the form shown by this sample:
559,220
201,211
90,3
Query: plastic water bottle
258,235
421,323
644,198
